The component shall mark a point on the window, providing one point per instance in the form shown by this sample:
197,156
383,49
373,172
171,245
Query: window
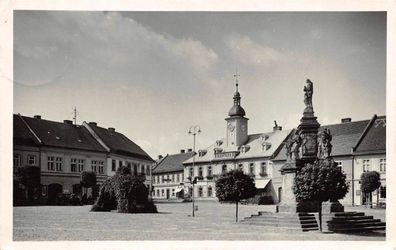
209,191
210,171
163,178
191,172
263,171
162,192
17,160
148,170
173,178
200,171
119,163
94,166
223,169
173,192
101,167
200,192
158,193
142,169
73,165
129,165
182,178
366,165
113,165
383,165
383,192
51,163
177,178
31,159
251,168
339,164
240,166
135,167
58,163
80,165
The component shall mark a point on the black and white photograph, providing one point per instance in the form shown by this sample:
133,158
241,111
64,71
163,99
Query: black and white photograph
204,126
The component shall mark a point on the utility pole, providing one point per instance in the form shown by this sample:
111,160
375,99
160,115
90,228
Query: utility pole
194,130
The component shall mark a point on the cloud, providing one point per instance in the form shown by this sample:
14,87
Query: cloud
250,53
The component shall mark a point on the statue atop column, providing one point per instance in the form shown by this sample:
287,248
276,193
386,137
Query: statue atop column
324,144
293,147
308,89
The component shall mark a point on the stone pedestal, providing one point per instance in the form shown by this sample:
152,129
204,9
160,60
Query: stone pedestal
328,210
288,203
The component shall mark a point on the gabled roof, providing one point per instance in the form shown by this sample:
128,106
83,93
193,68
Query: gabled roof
373,139
119,143
58,134
344,137
172,163
22,135
257,146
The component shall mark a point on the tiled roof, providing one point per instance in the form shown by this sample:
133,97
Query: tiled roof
257,146
119,143
172,163
21,134
344,137
57,134
374,140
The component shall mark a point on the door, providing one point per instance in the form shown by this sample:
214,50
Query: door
167,194
279,194
54,190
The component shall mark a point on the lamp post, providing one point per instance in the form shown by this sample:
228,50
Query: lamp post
194,130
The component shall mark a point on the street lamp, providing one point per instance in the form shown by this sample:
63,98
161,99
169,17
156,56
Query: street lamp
194,130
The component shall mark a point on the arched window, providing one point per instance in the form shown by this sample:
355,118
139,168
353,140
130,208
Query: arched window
200,192
251,168
263,171
210,171
191,172
209,191
200,171
224,169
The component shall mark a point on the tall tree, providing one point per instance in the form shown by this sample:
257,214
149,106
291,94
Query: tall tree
235,186
29,176
370,181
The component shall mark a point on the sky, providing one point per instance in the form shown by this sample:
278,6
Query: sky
152,75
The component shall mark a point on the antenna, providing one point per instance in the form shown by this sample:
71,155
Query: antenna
75,115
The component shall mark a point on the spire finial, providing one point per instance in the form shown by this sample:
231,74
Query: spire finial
236,79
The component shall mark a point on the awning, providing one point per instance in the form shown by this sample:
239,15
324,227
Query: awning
262,183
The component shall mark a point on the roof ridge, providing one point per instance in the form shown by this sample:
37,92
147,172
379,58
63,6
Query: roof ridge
364,132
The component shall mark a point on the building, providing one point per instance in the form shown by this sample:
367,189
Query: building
168,176
63,150
121,151
358,146
251,153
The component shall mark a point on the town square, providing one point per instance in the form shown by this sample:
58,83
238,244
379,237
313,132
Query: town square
199,126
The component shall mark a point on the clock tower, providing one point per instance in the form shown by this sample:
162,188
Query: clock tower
237,123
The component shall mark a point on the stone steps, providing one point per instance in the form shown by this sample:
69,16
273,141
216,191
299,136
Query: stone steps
284,221
354,222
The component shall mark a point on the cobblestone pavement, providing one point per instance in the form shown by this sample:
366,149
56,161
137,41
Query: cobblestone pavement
212,221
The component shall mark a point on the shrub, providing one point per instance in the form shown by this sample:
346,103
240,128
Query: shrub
29,177
321,181
124,192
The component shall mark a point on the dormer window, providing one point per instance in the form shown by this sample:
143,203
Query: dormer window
219,142
264,137
245,148
218,150
266,146
201,152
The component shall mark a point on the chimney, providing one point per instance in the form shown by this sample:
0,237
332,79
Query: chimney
37,117
160,157
190,150
93,123
111,129
67,121
182,151
277,127
346,120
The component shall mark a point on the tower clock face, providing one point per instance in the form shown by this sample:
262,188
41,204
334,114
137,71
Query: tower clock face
231,127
